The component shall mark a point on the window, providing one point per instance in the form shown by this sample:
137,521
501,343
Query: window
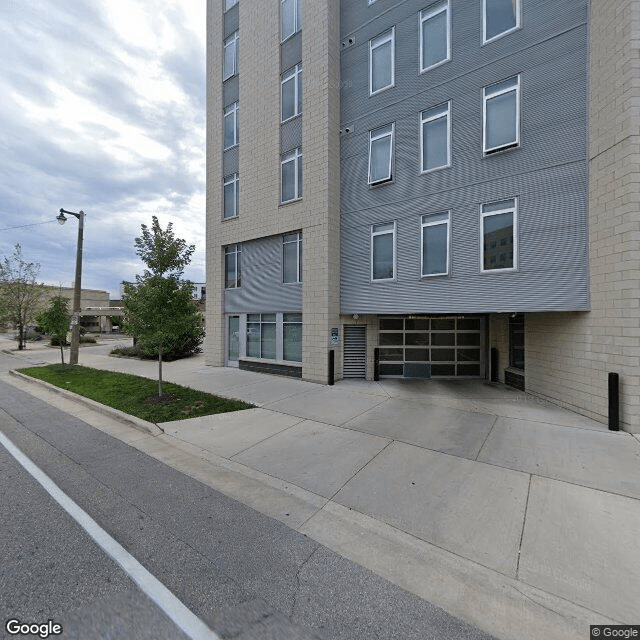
229,3
291,17
231,195
499,223
292,257
516,341
291,176
230,65
232,267
261,335
381,62
499,17
291,93
435,244
502,115
435,38
231,126
435,140
380,154
383,251
292,337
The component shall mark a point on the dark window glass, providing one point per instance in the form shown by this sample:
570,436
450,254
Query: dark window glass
391,369
443,324
419,339
416,324
393,324
392,339
443,339
417,355
468,339
443,355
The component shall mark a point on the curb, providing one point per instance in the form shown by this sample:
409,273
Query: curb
129,420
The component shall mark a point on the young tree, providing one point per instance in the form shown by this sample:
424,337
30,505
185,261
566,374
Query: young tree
158,309
20,293
55,321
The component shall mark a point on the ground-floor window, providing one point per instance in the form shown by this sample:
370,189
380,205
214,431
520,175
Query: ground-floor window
261,335
451,346
292,337
516,341
265,336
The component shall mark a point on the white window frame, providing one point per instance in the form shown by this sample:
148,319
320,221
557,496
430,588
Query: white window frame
298,242
294,156
436,113
231,111
503,33
236,250
395,253
297,19
374,43
231,41
292,75
229,3
434,220
233,178
426,14
486,214
487,95
373,138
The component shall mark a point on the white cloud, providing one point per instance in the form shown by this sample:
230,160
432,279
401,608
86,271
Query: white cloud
104,111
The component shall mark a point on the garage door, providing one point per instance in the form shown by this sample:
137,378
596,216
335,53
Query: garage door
355,352
452,347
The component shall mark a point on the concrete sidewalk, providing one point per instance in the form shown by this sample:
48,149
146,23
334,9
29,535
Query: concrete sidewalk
515,515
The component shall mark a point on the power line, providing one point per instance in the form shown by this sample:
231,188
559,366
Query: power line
35,224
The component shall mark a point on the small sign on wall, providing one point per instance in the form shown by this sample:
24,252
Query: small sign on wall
335,336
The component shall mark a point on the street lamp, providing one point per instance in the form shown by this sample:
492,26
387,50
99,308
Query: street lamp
75,321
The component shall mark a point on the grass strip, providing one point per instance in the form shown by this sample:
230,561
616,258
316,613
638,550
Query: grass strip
134,395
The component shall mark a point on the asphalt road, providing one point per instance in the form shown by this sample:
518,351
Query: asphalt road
245,575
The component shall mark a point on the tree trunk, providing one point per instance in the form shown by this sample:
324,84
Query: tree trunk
160,372
20,337
61,341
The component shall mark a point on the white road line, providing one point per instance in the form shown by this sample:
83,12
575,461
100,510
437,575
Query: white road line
152,587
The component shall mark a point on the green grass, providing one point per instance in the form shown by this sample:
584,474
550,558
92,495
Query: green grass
134,395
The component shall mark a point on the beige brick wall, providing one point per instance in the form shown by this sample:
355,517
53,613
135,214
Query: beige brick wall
260,213
569,355
214,342
321,155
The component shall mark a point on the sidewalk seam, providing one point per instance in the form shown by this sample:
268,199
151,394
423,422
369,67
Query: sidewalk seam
524,520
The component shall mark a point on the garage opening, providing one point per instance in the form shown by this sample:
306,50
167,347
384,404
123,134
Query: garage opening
437,347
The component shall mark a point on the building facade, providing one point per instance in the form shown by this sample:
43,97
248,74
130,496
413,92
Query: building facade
427,189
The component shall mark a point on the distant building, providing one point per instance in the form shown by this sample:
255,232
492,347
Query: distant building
96,311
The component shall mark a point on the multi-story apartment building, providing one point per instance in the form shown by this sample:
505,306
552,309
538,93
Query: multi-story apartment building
427,188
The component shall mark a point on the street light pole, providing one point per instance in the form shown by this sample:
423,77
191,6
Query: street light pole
75,321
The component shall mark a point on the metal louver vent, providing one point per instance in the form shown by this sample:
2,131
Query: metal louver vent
355,352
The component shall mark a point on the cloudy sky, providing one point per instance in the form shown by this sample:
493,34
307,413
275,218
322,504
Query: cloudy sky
102,109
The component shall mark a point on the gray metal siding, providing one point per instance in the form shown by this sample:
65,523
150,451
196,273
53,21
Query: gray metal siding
230,161
230,91
231,20
548,172
291,51
262,288
291,134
